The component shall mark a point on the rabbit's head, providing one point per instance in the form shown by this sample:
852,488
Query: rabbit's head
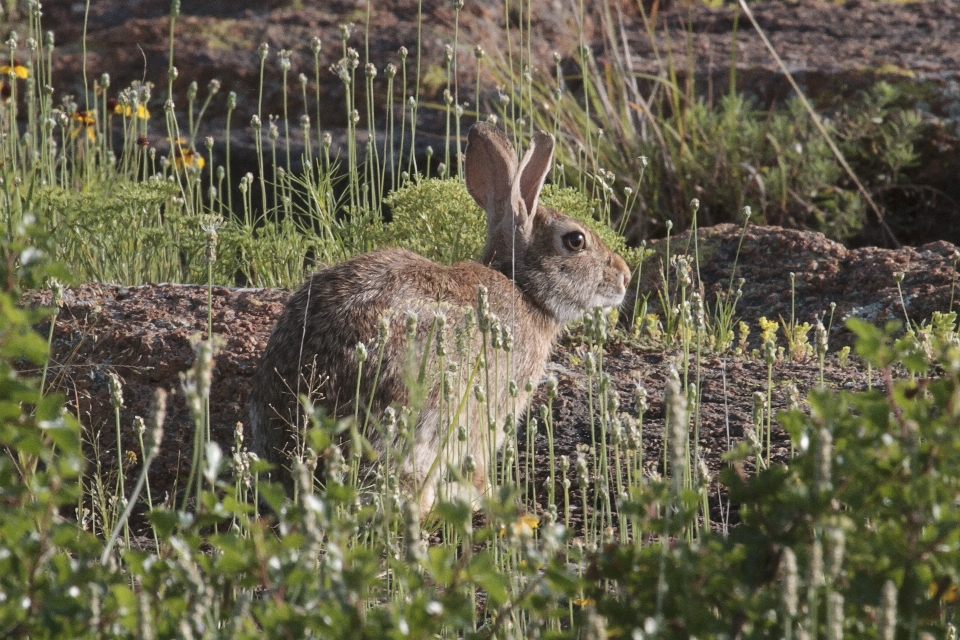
559,263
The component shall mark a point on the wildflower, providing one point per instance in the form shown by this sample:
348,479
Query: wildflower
768,329
185,157
126,109
524,526
85,120
188,158
14,68
942,590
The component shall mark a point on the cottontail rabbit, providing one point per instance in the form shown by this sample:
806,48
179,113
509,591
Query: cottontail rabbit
540,269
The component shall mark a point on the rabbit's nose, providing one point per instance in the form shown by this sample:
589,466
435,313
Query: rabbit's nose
618,263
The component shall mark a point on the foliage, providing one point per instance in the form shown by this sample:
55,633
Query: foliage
868,499
666,144
878,134
438,218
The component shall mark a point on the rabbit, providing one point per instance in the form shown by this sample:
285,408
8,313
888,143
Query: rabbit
540,269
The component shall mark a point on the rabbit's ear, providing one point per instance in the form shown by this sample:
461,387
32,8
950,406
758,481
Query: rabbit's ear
530,176
490,167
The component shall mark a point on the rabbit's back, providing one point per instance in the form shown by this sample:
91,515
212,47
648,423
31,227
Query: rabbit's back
313,348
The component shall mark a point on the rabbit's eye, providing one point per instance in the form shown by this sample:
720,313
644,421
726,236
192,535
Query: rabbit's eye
574,241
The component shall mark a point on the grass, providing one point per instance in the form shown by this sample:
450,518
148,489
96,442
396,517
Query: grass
612,545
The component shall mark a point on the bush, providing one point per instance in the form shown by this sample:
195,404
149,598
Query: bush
858,536
439,219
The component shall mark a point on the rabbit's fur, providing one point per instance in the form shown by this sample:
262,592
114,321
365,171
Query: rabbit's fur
536,282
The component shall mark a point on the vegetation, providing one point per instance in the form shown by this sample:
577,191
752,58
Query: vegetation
856,535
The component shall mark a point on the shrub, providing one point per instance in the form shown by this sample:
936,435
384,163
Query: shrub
439,219
866,507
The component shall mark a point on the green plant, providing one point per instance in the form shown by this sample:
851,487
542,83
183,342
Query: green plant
438,218
823,539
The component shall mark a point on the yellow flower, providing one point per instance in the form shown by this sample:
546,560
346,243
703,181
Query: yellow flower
84,120
768,329
943,590
186,158
16,69
523,527
126,110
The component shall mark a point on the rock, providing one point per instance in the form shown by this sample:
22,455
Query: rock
861,282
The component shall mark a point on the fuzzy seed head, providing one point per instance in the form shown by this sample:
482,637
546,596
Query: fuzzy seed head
789,583
415,549
815,571
888,612
676,403
410,326
640,402
823,461
835,616
836,544
116,389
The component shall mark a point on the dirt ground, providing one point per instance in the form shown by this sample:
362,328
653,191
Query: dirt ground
143,334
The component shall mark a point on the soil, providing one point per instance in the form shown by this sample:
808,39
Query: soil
145,334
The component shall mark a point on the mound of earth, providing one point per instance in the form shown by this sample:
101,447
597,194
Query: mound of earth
146,334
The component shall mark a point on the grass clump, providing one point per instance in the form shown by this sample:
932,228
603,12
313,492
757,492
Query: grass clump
439,219
436,218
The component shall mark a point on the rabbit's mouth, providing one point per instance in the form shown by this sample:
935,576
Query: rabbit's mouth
568,310
608,300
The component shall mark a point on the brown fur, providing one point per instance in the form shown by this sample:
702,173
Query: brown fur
535,285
